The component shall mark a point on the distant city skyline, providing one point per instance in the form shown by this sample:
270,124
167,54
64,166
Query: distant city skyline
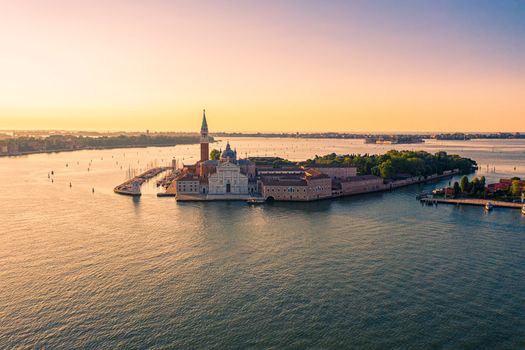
273,66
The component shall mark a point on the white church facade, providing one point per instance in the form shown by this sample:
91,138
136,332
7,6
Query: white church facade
228,179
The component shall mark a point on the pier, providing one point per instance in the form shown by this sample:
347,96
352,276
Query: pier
477,202
167,180
132,186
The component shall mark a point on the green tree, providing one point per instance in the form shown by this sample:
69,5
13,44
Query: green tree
457,189
515,188
474,186
387,170
464,184
215,154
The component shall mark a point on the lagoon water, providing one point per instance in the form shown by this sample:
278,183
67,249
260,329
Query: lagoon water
101,271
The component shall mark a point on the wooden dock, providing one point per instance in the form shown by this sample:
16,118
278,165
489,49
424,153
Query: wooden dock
477,202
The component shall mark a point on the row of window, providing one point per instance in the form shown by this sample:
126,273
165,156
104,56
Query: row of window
188,187
289,189
292,189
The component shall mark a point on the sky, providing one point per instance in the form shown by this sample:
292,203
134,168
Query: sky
268,66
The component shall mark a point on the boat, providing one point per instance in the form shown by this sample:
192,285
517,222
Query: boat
422,195
523,210
255,200
489,206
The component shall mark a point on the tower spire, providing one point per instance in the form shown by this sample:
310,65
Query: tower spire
204,125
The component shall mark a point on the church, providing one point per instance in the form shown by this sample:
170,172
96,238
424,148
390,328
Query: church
225,178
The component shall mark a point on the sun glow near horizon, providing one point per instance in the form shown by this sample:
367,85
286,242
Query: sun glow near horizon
278,66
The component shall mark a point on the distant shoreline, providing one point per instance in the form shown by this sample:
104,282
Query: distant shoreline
428,136
18,154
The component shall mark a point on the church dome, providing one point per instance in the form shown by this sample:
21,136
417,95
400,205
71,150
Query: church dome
228,153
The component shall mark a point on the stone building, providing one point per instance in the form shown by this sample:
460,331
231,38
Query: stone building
313,185
361,184
188,184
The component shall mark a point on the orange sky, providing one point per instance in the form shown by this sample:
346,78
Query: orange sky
277,66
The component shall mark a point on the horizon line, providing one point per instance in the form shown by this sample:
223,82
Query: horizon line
262,132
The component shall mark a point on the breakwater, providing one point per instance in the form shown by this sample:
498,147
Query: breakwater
472,201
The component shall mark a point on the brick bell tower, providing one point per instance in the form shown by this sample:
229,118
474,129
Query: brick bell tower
205,148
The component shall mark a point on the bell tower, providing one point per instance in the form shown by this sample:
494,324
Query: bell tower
205,148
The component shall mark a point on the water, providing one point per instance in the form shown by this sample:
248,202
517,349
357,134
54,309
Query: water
97,270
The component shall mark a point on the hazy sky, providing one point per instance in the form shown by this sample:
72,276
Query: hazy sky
303,65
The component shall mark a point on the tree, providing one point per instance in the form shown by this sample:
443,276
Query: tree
483,183
387,170
457,189
215,154
474,185
515,188
464,184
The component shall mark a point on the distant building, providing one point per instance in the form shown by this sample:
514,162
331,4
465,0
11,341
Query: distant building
12,148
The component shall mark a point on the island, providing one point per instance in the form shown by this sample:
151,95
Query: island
394,139
23,145
222,175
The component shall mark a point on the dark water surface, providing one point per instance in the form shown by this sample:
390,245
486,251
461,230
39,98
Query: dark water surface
84,270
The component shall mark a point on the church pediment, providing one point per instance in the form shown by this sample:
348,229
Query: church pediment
228,165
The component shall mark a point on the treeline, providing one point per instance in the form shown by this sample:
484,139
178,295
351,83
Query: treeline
141,140
68,142
476,187
396,164
391,165
275,161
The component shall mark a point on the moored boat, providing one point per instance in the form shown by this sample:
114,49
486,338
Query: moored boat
422,195
489,206
255,200
523,210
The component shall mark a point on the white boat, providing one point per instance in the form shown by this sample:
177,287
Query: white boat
523,210
255,200
489,206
